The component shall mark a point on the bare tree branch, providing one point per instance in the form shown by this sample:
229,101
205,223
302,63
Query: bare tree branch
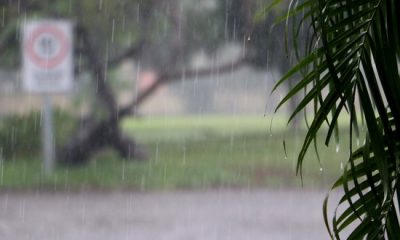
130,109
131,53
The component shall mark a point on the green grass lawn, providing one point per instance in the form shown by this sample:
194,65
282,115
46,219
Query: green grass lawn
191,152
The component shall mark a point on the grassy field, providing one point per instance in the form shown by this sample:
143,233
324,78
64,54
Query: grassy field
191,152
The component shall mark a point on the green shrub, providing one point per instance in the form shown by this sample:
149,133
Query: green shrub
21,134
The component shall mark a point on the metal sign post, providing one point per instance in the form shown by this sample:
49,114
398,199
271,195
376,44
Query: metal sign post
48,141
47,69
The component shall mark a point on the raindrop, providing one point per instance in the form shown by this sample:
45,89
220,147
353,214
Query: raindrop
69,6
123,23
239,173
66,175
284,148
321,169
358,142
248,39
165,174
157,154
83,212
79,62
3,20
138,13
106,61
184,155
142,182
180,20
55,180
22,210
270,127
183,79
232,141
13,137
234,30
337,148
196,82
150,168
5,205
1,168
112,30
100,4
24,172
244,48
280,97
138,76
226,24
123,171
341,166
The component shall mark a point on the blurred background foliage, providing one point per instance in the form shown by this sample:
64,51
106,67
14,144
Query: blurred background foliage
20,135
170,38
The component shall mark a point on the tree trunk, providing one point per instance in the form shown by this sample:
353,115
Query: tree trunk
96,135
93,137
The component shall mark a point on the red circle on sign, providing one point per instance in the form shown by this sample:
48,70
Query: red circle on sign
47,61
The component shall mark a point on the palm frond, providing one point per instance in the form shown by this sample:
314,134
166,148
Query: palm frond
353,68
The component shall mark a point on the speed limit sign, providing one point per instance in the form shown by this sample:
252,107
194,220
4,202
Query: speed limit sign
47,56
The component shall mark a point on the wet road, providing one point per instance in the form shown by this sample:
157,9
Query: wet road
182,215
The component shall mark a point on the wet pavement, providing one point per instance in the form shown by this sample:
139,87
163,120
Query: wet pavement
182,215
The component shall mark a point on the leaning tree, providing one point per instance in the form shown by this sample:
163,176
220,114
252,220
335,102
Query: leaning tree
158,34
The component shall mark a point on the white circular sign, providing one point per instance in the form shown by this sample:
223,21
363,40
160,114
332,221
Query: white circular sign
47,57
47,46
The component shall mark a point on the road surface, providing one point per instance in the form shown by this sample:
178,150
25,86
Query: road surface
182,215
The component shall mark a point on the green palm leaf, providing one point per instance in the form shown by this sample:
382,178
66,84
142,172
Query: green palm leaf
353,68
